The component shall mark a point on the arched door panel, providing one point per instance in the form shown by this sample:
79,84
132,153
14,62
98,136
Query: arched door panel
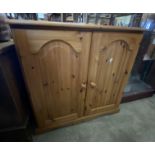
109,57
55,65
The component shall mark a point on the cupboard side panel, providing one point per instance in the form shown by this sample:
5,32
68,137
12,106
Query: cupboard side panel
127,70
27,63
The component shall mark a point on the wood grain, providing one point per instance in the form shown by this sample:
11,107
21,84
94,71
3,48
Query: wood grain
55,66
82,26
111,56
74,75
75,121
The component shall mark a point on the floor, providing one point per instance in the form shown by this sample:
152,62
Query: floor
135,122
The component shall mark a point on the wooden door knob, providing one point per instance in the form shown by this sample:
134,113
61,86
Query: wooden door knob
92,84
83,85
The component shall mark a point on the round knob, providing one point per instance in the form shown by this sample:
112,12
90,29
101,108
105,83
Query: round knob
83,85
92,84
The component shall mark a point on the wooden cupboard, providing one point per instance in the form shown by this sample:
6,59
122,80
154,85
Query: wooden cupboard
74,71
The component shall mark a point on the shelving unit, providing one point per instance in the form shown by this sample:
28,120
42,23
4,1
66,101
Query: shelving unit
99,18
89,18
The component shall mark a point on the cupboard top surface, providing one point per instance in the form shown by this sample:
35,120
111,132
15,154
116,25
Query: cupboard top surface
30,24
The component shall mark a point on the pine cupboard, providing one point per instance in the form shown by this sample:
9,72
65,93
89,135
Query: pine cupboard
74,71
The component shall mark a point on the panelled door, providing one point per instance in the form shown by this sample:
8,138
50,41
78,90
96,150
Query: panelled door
111,58
55,65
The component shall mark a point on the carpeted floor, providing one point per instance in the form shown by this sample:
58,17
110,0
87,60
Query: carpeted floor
134,122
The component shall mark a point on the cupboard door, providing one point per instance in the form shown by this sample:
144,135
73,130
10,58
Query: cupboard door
111,58
55,65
